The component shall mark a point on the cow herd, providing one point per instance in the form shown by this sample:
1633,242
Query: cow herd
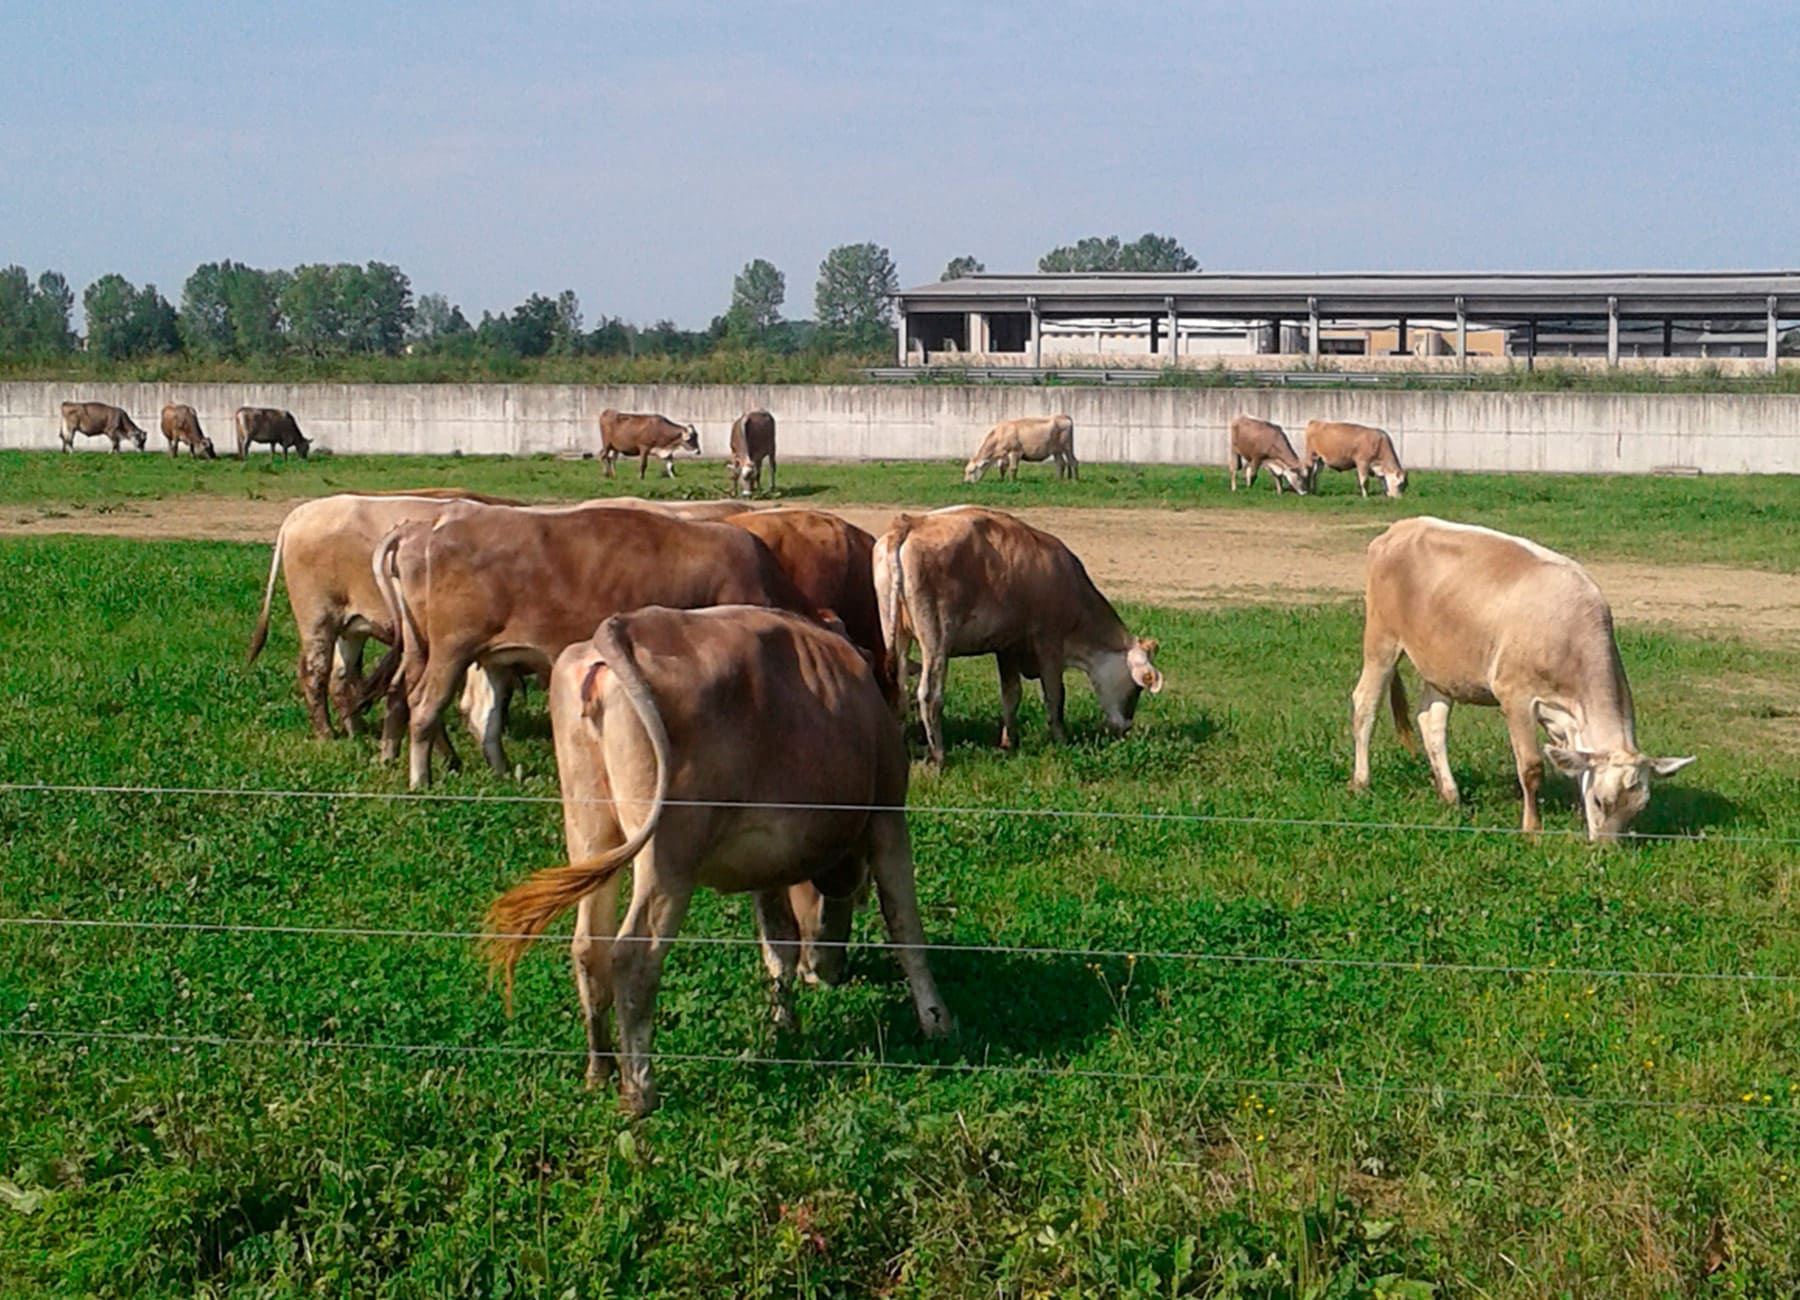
181,426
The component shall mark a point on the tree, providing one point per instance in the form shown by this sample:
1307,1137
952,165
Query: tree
205,319
34,318
966,265
854,297
1147,254
566,338
311,302
436,324
756,298
50,307
375,305
124,321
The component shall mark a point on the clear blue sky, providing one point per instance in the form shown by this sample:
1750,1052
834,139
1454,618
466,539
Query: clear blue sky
640,154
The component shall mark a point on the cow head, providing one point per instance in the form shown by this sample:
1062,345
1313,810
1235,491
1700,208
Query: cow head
1297,478
1120,677
1309,471
302,444
1394,479
976,467
1615,784
138,436
744,475
692,441
207,444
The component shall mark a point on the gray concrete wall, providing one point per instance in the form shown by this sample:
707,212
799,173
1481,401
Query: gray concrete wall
1569,432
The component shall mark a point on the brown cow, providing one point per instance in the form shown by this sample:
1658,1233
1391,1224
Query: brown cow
967,581
829,560
181,426
644,436
511,588
267,424
1353,446
752,442
667,723
1491,619
98,420
1255,443
322,549
1032,438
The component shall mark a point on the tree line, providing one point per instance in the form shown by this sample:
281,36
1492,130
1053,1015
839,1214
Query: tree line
231,311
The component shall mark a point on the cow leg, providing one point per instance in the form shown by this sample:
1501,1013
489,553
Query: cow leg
1434,734
780,931
1231,464
1379,660
606,461
643,464
1009,701
931,700
891,863
316,653
1050,664
1362,480
771,474
346,682
669,465
1521,729
394,720
427,701
824,932
493,727
658,904
596,918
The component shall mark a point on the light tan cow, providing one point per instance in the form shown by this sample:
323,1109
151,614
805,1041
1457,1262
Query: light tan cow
181,426
1353,446
967,581
1032,438
666,725
506,588
1255,443
322,550
99,420
644,436
1487,618
752,442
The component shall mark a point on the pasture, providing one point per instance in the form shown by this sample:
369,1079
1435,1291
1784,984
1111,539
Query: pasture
1267,1053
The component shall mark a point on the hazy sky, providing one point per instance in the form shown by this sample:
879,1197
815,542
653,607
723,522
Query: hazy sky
640,154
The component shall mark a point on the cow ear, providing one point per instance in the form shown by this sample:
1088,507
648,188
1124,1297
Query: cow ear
1570,762
1143,672
591,686
1669,766
1558,721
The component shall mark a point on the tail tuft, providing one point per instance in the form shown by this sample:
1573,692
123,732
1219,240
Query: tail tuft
1403,727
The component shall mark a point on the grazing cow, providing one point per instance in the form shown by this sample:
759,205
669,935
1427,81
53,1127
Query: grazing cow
1492,619
668,725
1255,443
967,581
752,442
181,426
1032,438
644,436
1353,446
98,420
266,424
322,549
829,560
501,588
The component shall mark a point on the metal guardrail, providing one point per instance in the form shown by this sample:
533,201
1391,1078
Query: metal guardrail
1138,377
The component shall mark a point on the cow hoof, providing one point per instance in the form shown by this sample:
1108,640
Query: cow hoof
639,1103
1358,786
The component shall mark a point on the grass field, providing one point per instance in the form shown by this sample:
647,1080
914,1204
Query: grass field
1748,521
1156,1126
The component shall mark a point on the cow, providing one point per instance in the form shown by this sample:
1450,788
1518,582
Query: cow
181,426
752,442
322,549
1032,438
667,724
1353,446
98,420
1255,443
267,424
1487,618
502,588
967,581
644,436
830,561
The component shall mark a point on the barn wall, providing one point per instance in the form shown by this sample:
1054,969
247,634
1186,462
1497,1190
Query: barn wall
1569,432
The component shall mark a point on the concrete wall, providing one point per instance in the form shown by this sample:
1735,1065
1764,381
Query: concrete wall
1570,432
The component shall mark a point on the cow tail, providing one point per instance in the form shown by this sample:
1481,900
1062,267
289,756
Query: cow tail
523,912
261,634
1403,727
400,619
892,599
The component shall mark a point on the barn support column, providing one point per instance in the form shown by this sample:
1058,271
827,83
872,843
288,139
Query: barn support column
1312,328
1531,344
900,334
1774,344
1462,335
1400,338
1668,338
1274,335
1174,332
1037,336
1612,333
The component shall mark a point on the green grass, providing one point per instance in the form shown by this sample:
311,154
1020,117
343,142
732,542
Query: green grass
138,1169
1747,520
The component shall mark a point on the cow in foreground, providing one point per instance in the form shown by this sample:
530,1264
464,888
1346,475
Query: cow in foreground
644,436
1032,438
966,581
500,588
322,550
665,723
269,425
752,442
1353,446
1255,443
1487,618
181,426
99,420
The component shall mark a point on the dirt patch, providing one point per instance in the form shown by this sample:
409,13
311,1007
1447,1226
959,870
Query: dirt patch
1190,559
